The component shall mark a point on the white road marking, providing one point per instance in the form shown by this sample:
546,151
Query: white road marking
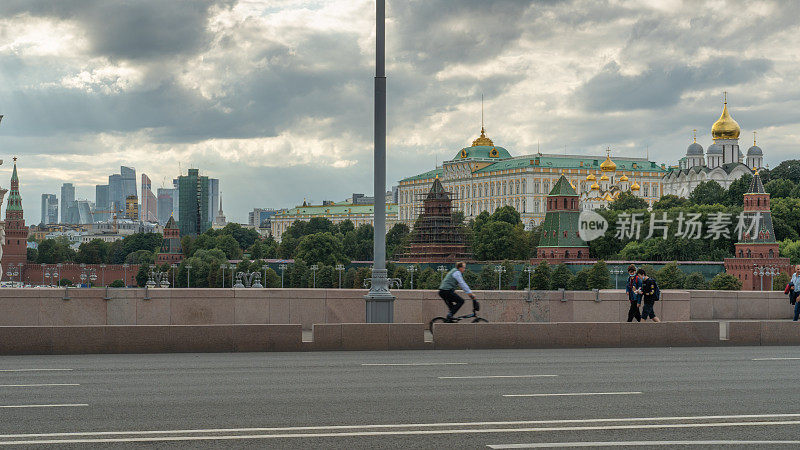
61,405
412,425
417,364
35,370
570,394
394,433
773,359
495,376
637,444
39,385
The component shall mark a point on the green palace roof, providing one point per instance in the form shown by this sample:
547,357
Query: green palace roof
485,152
336,209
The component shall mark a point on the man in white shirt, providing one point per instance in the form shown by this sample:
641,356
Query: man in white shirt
447,289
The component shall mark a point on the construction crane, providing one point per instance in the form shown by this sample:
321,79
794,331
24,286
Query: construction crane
113,212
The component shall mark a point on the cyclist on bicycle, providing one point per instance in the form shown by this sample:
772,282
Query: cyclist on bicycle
447,289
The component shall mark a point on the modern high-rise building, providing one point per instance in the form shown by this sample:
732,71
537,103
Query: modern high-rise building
176,197
149,202
194,210
166,204
101,203
49,209
132,208
120,186
67,197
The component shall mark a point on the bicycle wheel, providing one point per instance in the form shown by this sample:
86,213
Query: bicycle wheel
436,320
480,320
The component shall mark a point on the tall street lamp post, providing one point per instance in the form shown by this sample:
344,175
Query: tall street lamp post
379,301
529,270
174,269
340,269
314,268
442,270
223,267
283,269
188,275
411,269
500,270
617,272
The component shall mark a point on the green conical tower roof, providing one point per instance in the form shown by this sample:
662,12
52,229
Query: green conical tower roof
563,187
14,199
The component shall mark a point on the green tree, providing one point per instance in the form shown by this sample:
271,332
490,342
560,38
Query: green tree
790,249
298,274
245,237
272,279
599,277
397,240
142,257
53,251
787,170
142,241
506,214
257,250
779,283
187,245
670,276
230,246
345,227
65,282
627,201
738,188
783,230
779,188
322,247
117,284
93,252
541,277
320,225
500,240
31,255
580,282
708,193
725,282
695,280
669,201
487,278
561,277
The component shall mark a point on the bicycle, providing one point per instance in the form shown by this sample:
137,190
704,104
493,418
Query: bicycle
474,316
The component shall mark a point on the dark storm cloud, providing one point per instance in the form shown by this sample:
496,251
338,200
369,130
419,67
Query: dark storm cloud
134,30
662,85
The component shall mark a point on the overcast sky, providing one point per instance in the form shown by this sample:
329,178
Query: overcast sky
274,97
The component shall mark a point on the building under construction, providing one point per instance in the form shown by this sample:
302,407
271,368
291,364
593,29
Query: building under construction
436,238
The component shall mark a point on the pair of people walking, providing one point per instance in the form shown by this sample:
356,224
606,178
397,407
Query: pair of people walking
642,290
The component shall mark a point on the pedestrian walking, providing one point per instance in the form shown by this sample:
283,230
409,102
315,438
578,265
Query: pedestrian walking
650,293
632,288
795,292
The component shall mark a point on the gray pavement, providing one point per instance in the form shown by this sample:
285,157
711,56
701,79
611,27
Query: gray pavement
687,397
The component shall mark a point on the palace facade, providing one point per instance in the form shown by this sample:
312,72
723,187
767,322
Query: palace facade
484,177
359,214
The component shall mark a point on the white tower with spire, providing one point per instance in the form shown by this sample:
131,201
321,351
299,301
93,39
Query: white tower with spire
219,220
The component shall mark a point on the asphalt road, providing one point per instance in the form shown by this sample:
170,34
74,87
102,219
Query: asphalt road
693,397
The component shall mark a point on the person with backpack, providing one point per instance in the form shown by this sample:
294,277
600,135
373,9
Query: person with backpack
632,288
651,294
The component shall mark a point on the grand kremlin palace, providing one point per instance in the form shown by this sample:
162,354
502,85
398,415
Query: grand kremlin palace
484,177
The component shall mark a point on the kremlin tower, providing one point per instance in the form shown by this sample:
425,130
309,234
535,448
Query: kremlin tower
16,240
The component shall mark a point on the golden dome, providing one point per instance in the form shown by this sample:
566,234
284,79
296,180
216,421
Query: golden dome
608,197
482,141
591,177
595,187
635,186
725,127
623,178
604,177
608,165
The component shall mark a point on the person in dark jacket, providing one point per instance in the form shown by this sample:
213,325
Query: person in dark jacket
648,291
632,288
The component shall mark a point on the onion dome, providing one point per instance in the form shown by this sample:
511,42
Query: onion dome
591,177
694,149
754,151
635,186
725,127
714,149
623,179
595,187
604,177
608,197
608,165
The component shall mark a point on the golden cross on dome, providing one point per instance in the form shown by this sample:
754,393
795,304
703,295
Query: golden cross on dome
694,134
754,138
725,96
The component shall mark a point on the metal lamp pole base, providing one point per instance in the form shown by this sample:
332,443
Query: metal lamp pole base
380,302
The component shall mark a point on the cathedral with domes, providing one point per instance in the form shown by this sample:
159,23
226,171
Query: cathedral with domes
722,162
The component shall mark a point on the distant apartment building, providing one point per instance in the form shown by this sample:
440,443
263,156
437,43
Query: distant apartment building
166,204
258,216
49,209
149,203
67,197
